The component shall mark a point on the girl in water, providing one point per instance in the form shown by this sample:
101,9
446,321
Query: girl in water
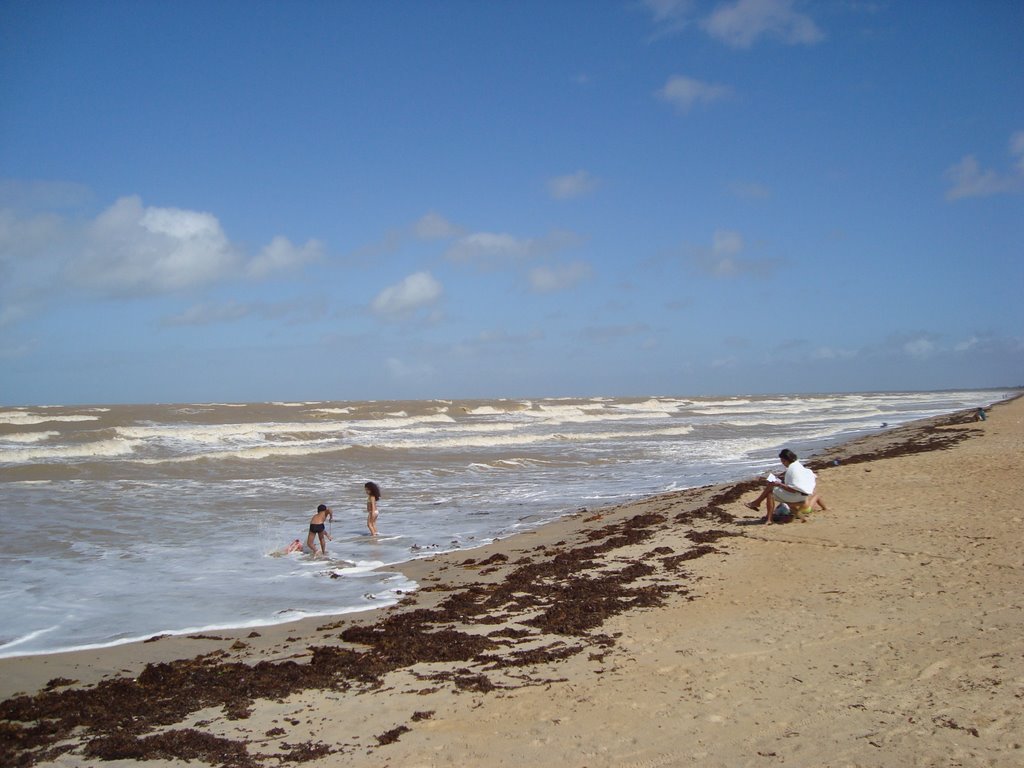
372,497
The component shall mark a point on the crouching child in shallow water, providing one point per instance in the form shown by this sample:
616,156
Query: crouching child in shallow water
318,528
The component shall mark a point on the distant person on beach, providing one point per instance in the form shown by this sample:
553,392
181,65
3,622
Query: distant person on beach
372,497
318,528
979,415
795,489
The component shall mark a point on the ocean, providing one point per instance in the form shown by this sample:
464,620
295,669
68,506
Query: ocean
121,522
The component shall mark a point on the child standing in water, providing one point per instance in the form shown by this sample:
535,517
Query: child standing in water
372,497
317,527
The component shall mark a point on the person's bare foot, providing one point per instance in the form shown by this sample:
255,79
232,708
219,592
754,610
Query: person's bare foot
753,506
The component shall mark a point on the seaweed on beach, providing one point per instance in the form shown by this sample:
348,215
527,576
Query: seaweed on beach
570,592
186,744
938,434
390,737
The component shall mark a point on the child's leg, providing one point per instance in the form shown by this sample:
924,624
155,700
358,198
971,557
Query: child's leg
310,545
323,543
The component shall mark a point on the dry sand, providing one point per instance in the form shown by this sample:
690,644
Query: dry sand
675,631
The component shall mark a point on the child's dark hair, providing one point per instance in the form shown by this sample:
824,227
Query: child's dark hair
373,488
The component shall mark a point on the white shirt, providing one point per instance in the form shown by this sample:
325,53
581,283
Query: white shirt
800,477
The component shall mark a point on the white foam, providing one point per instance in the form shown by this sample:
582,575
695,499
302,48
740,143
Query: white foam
29,437
256,452
7,648
98,449
25,418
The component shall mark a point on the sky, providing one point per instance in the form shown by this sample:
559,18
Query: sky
350,200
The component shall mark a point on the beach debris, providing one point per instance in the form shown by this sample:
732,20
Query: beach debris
390,737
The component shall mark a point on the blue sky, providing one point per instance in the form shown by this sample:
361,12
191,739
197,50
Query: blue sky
240,201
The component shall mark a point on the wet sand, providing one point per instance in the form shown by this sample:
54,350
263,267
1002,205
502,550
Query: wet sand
670,631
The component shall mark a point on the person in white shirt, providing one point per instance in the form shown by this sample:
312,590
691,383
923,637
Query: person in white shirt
795,489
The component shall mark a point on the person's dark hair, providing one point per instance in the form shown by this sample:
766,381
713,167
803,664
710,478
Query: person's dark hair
373,488
787,455
322,508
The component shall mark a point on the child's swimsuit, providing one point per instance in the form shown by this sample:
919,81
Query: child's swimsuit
316,527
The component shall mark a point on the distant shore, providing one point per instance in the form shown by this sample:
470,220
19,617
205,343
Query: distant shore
676,628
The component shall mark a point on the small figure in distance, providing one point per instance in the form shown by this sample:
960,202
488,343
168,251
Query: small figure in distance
979,415
372,497
317,528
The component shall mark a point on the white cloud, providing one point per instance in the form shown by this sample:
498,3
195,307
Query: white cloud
720,260
684,92
967,179
487,249
967,344
1017,150
572,185
433,226
281,255
415,292
919,348
29,238
668,10
551,279
129,250
670,16
741,23
723,259
132,250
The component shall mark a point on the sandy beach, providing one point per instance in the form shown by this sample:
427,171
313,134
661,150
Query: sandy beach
673,631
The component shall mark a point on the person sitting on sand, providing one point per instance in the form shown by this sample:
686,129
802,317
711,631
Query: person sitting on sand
794,490
317,527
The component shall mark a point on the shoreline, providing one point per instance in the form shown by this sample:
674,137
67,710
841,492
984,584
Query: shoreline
486,624
395,567
414,569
